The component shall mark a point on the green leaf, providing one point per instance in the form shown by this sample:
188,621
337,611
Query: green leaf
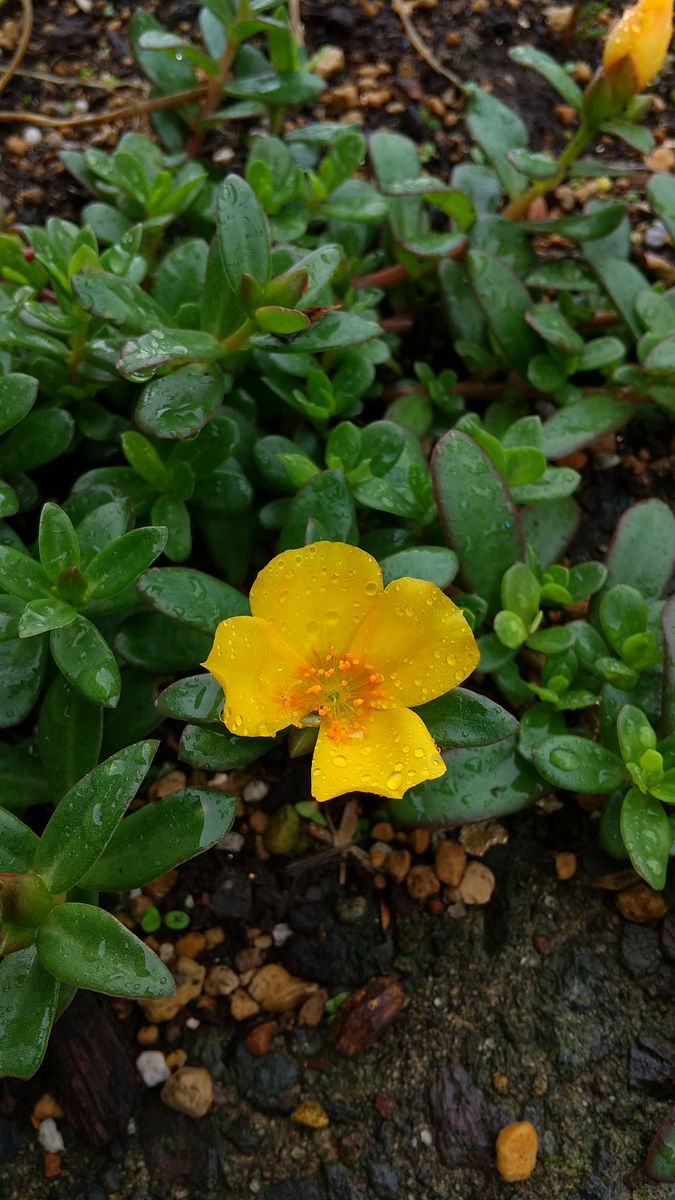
668,621
590,226
191,597
549,527
216,749
86,660
28,999
69,736
504,301
521,592
555,640
22,781
497,129
243,233
333,332
161,835
117,301
136,715
18,844
144,458
174,515
579,765
140,357
121,562
623,613
463,718
394,158
633,558
103,525
538,724
556,483
21,576
41,616
648,836
553,73
510,629
17,396
88,814
41,437
272,318
433,563
480,783
635,733
476,512
59,547
197,699
661,195
86,947
581,422
180,404
327,499
156,643
621,280
636,136
22,668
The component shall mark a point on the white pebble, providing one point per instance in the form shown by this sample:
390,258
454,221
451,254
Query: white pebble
85,6
152,1068
426,1137
281,934
166,951
49,1137
255,790
232,842
32,135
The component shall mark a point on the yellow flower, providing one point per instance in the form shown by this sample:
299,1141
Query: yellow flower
328,644
642,37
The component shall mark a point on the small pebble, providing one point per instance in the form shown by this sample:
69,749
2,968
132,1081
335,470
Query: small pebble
49,1136
422,882
281,934
32,135
243,1006
656,234
450,863
565,864
152,1068
517,1146
312,1114
382,832
232,842
328,61
46,1106
397,865
221,981
639,903
255,791
190,1091
258,1039
477,885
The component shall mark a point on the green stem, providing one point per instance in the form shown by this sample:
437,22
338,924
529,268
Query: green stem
239,339
517,208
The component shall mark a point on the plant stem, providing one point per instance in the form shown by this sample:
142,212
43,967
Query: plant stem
518,208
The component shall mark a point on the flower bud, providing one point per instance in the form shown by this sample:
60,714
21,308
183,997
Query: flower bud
641,36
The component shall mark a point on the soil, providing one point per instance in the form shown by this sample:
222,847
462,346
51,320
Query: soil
544,1004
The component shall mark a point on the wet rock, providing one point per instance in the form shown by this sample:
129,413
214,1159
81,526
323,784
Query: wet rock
276,990
467,1124
343,958
640,904
366,1015
305,918
177,1149
311,1114
668,936
351,909
517,1146
338,1183
652,1064
640,949
267,1083
258,1039
283,831
296,1189
10,1139
189,1091
477,884
384,1180
152,1068
232,896
422,882
450,863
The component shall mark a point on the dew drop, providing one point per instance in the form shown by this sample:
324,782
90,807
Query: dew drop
394,781
565,760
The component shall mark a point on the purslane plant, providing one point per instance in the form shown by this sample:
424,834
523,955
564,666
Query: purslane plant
210,354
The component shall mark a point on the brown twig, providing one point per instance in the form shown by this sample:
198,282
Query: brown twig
128,110
402,9
21,46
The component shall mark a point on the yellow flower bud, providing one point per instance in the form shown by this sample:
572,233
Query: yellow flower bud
642,37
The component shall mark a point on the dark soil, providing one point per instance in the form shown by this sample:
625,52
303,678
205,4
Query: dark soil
544,1005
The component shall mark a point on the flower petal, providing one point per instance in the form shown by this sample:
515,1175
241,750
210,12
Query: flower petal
395,752
258,672
317,596
418,640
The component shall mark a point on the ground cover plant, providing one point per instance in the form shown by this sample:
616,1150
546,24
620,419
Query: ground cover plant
234,500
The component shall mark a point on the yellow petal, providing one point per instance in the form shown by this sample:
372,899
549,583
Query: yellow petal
317,596
418,640
259,673
395,752
643,35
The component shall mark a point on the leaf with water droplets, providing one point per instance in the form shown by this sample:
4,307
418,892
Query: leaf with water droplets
85,820
161,835
86,947
191,597
28,999
648,836
22,668
578,764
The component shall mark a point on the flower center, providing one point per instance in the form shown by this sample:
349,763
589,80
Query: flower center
337,687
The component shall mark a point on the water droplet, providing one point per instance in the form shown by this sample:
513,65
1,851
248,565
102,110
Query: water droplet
394,781
565,760
371,588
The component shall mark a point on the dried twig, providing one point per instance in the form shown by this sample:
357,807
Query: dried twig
21,46
403,8
128,110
